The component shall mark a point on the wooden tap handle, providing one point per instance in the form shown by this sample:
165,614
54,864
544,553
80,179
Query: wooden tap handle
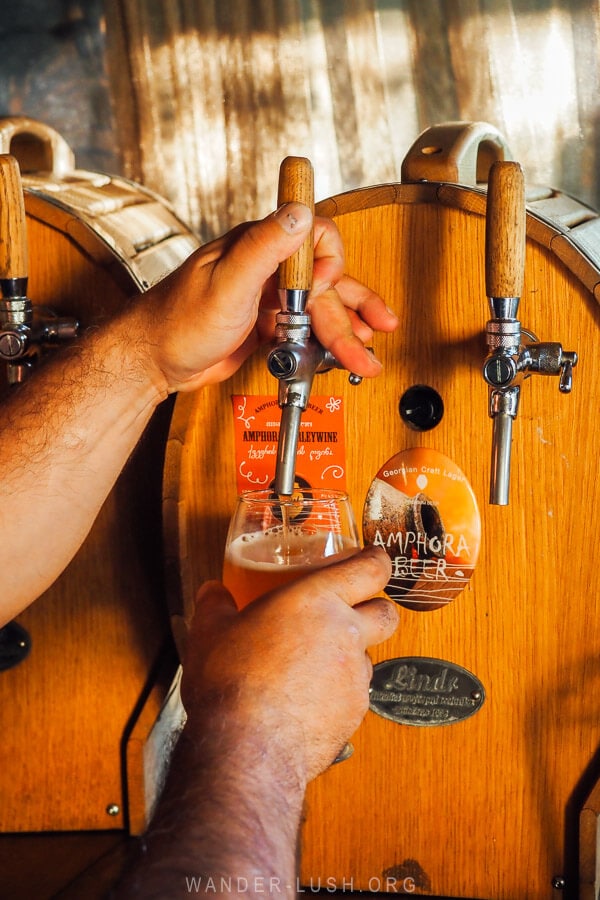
296,183
13,226
505,230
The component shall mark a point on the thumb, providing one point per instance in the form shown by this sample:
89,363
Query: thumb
214,611
264,245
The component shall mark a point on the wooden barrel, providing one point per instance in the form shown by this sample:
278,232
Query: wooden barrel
488,805
73,714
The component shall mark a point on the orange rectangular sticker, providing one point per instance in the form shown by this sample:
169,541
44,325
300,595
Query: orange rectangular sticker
321,459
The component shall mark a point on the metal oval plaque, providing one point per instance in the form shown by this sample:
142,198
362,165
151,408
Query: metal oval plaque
417,690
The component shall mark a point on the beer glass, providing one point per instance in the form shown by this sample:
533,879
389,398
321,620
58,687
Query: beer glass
273,540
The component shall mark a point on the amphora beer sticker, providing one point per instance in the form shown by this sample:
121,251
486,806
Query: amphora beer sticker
422,510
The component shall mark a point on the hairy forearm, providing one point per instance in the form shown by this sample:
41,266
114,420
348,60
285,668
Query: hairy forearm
227,823
64,437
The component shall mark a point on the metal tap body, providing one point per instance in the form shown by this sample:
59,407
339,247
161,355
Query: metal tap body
297,355
513,352
24,329
513,355
294,361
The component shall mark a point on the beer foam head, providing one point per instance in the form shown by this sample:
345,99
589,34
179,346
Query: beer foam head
291,546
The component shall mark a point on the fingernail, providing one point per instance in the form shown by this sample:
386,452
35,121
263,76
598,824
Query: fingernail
294,217
371,353
391,312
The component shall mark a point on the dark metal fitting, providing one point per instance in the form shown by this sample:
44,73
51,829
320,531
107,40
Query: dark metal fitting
13,342
14,288
292,319
19,372
282,363
64,329
500,370
18,311
503,334
504,402
545,358
298,334
504,307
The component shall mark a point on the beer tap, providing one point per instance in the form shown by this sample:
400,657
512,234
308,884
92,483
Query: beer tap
514,353
297,354
23,329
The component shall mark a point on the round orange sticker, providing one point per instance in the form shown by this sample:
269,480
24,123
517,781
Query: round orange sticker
422,510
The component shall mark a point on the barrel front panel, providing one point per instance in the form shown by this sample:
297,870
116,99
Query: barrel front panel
479,808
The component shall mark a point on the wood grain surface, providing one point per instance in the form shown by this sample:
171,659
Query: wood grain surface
101,632
487,807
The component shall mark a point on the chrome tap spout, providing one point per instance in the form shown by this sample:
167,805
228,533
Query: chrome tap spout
503,409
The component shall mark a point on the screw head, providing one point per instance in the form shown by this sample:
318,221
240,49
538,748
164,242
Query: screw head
558,883
282,363
113,809
499,370
11,345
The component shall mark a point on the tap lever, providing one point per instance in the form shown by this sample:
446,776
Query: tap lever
505,238
13,231
514,353
506,219
296,183
297,355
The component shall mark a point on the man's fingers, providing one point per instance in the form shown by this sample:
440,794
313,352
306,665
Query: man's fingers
344,318
379,619
342,332
360,298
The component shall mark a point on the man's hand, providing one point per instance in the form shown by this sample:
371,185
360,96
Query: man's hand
272,694
291,671
203,320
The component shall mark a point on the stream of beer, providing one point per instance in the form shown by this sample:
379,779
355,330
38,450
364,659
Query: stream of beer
284,501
